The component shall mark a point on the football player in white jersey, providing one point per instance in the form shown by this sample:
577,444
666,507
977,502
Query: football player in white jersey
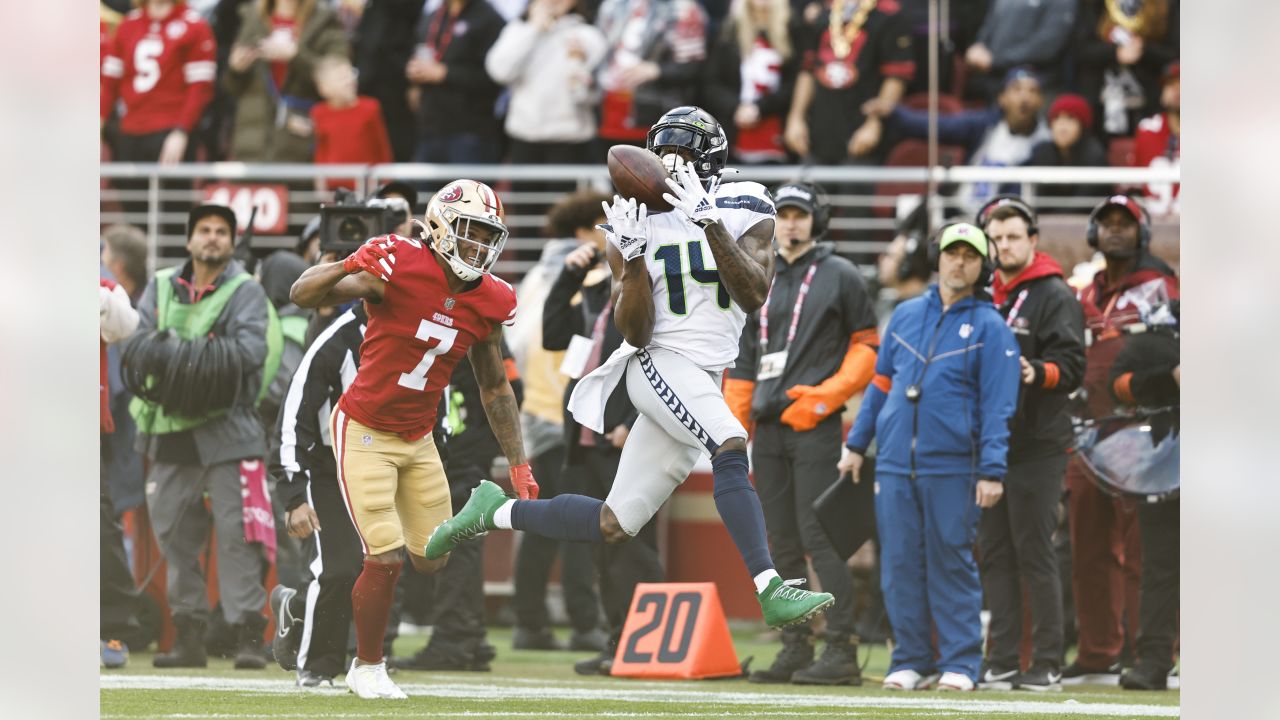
688,278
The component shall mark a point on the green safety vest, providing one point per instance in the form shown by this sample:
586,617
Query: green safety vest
191,321
294,328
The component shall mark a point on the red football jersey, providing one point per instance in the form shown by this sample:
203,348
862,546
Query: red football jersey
1155,145
415,338
163,70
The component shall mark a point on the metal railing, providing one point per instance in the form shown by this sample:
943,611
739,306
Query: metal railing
864,199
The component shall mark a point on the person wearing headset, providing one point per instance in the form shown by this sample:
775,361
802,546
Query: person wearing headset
945,387
801,358
1105,544
1015,537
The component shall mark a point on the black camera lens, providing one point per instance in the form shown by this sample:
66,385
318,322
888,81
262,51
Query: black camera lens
353,230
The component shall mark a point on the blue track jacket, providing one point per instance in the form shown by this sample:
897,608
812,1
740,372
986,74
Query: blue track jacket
965,362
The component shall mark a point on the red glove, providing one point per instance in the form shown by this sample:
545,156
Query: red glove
523,483
374,257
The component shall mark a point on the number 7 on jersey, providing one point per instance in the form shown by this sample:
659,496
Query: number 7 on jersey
416,379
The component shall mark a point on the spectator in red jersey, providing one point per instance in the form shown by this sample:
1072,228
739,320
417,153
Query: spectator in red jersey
750,77
160,67
1158,143
656,50
1071,144
1121,49
860,53
348,127
1105,545
270,74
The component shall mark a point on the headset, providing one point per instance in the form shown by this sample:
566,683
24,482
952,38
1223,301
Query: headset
988,263
1144,224
1012,201
818,198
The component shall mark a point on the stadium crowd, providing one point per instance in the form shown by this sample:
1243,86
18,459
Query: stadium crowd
1060,82
1026,532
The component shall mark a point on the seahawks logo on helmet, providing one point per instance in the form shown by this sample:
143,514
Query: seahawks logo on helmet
694,131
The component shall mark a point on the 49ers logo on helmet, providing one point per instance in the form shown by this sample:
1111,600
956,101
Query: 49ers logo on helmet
451,194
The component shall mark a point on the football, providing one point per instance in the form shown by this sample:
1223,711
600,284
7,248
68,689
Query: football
638,173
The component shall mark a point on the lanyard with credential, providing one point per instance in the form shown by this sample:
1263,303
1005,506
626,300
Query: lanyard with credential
795,313
1013,314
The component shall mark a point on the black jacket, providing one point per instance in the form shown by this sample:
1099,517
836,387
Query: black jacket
464,102
562,318
836,307
300,452
1087,152
1049,327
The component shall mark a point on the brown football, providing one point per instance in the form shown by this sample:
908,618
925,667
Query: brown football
638,173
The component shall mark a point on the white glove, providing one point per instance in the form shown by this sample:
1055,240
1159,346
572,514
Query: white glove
624,226
698,203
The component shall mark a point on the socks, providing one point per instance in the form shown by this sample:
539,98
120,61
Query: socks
762,580
371,606
575,518
502,516
740,511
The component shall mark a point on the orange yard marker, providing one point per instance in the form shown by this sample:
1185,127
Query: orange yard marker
676,631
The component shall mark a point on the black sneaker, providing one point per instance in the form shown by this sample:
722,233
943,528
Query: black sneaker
590,641
996,678
796,654
447,657
1042,677
249,652
1077,674
1145,677
837,666
288,635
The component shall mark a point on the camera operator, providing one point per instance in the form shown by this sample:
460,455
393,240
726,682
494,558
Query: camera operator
1105,543
1148,374
1015,536
205,352
946,385
802,357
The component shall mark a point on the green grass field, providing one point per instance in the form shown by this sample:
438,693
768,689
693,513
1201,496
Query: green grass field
532,684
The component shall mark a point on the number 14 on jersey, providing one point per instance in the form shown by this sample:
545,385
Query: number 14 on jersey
675,271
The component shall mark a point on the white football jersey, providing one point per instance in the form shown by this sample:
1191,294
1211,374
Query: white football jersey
694,315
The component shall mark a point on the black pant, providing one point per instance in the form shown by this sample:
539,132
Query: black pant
336,562
117,604
537,554
1016,542
146,149
622,566
791,470
1158,606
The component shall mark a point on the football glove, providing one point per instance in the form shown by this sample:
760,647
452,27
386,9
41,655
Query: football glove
624,226
374,257
523,483
689,196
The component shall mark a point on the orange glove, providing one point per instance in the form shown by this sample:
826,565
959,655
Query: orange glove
737,393
813,403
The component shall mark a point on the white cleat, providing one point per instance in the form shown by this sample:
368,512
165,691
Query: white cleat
907,679
371,682
955,682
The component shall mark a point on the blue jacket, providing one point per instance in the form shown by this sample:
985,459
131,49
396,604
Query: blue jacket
965,362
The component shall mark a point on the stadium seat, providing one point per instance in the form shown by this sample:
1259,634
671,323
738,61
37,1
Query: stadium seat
947,104
913,153
1120,152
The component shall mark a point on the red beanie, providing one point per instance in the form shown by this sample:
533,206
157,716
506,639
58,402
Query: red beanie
1073,105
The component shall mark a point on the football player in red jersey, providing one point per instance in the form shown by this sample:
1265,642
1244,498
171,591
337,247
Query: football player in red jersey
428,305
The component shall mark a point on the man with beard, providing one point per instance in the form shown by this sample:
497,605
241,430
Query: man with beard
201,442
1016,535
1104,537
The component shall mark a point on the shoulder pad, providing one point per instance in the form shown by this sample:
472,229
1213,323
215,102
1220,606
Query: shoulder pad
745,196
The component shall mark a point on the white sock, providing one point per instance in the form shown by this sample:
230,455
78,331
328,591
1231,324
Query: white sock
762,580
502,516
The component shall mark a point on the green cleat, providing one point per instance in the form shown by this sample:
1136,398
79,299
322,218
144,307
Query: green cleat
783,604
472,521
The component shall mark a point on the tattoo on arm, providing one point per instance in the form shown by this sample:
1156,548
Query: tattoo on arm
329,284
497,396
745,266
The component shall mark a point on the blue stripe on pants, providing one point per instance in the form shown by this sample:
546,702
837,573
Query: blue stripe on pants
928,574
668,397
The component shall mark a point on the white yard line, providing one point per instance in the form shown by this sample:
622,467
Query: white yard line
644,692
